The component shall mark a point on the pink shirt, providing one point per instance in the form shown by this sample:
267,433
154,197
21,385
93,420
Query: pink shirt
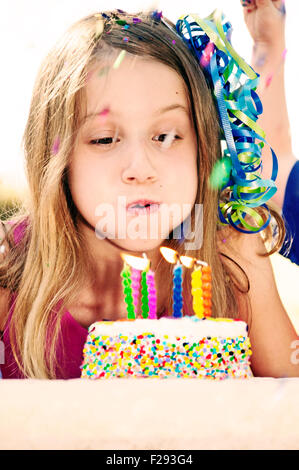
72,337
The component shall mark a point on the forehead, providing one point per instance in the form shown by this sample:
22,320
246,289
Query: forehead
136,86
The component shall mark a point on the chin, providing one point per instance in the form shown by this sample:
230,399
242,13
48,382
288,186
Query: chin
138,245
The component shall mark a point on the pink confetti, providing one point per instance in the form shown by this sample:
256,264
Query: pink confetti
56,145
173,42
269,80
103,115
284,54
104,112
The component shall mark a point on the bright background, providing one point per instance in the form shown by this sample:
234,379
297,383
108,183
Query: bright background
28,29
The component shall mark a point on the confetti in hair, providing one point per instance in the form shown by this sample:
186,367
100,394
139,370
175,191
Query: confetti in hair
56,144
245,3
121,22
156,16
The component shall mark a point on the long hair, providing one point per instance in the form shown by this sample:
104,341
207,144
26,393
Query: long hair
47,266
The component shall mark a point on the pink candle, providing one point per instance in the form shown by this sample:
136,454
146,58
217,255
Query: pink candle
136,276
152,296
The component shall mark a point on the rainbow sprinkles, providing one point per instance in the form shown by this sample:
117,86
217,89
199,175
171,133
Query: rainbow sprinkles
196,346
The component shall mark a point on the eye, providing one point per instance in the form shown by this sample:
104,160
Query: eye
104,141
167,139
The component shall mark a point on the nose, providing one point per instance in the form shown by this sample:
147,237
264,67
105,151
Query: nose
139,168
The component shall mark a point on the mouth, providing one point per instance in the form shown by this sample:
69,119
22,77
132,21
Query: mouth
142,207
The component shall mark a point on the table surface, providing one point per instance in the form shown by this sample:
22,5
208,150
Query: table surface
257,413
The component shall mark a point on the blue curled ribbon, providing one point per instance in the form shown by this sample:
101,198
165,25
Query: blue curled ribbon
233,83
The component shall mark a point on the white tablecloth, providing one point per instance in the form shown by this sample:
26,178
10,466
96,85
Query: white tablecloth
258,413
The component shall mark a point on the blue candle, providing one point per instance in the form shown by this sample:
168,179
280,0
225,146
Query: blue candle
177,291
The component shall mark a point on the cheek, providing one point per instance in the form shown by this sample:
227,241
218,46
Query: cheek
187,174
84,185
84,175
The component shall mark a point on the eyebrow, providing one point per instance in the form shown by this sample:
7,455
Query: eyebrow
166,109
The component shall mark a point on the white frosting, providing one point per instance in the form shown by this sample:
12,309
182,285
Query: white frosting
191,327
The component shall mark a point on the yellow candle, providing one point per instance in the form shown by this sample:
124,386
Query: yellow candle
196,290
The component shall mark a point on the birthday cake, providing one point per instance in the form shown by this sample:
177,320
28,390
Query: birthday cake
187,347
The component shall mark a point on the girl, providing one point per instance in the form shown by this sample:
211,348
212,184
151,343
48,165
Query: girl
120,111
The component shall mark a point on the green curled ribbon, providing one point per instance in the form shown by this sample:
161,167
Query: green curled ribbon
233,82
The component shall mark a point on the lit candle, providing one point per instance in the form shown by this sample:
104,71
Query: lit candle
149,297
172,257
201,286
177,291
152,296
207,290
127,284
144,295
141,264
136,277
196,290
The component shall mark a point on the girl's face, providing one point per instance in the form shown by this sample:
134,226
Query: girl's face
136,142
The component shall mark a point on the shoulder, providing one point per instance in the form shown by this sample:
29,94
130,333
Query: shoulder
243,247
4,293
4,244
250,253
248,248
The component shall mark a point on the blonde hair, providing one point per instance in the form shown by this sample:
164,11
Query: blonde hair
49,263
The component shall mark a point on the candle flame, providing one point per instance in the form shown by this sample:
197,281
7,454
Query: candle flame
187,261
170,255
142,264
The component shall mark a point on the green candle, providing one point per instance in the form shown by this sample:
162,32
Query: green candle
127,284
144,297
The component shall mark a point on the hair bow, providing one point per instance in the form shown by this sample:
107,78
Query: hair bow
233,83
